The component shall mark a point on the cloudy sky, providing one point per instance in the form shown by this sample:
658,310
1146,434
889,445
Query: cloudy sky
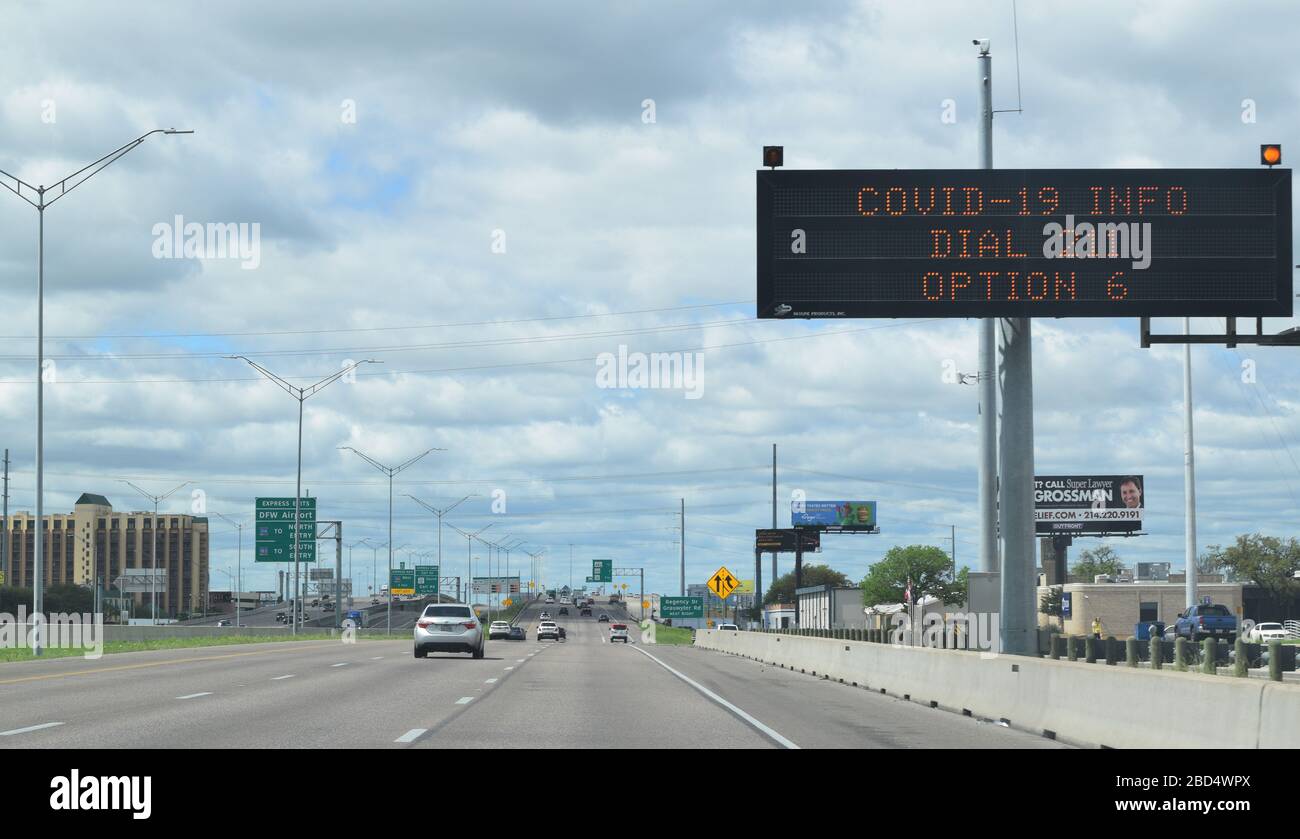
480,196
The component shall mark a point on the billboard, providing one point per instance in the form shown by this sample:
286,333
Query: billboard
1024,243
141,580
1088,504
834,515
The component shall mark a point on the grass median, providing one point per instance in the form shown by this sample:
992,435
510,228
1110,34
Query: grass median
25,653
670,635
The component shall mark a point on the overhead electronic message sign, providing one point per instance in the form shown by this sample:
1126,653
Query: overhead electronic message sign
1024,243
1088,504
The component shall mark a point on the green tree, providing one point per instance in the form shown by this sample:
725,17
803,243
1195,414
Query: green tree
782,590
1270,562
1094,561
929,568
1052,603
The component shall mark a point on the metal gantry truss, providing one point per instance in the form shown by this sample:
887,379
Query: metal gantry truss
634,572
1229,338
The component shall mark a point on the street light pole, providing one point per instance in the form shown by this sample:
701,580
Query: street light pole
440,514
390,471
153,578
239,564
302,394
63,187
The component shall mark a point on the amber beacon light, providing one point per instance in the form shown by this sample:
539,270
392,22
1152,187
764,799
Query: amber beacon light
1270,154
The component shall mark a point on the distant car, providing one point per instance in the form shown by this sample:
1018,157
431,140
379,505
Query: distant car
498,629
545,616
449,627
356,616
730,626
550,600
223,622
604,618
374,601
329,607
315,603
562,635
548,629
517,633
564,610
586,612
1262,633
618,632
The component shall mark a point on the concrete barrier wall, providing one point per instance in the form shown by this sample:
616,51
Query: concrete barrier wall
1084,704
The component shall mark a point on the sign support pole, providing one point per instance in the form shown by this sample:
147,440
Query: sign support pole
1019,631
986,379
798,572
1189,469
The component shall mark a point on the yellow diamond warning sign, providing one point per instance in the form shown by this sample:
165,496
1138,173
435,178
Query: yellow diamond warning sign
722,583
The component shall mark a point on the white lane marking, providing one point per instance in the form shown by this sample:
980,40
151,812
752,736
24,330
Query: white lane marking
410,735
464,700
340,664
490,682
14,731
520,660
510,668
770,732
287,676
195,695
376,657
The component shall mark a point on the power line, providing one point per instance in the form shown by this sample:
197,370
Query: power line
373,328
504,366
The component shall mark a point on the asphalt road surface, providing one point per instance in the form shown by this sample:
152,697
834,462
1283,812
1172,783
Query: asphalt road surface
583,692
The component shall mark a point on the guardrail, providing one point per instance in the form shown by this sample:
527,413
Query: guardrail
1292,628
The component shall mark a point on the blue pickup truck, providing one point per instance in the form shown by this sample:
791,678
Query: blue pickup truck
1206,621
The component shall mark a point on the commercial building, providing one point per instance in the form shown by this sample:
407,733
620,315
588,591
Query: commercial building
1122,606
93,545
830,607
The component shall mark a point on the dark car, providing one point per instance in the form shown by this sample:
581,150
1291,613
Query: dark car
604,618
585,612
517,633
561,633
564,611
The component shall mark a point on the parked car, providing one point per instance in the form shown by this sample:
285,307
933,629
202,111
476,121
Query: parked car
1262,633
517,633
1206,621
449,627
618,632
498,629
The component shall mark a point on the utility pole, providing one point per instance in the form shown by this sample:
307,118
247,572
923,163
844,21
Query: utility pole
683,546
1189,471
390,471
58,189
302,394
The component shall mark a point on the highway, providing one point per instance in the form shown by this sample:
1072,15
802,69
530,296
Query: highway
584,692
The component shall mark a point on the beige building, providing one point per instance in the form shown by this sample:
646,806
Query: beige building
1121,606
94,543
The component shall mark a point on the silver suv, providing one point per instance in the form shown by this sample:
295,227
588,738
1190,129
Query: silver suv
448,627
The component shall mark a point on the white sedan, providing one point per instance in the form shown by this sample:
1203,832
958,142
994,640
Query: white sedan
1262,633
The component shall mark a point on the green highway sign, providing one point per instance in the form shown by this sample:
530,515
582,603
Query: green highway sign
681,607
426,579
602,570
401,581
275,530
